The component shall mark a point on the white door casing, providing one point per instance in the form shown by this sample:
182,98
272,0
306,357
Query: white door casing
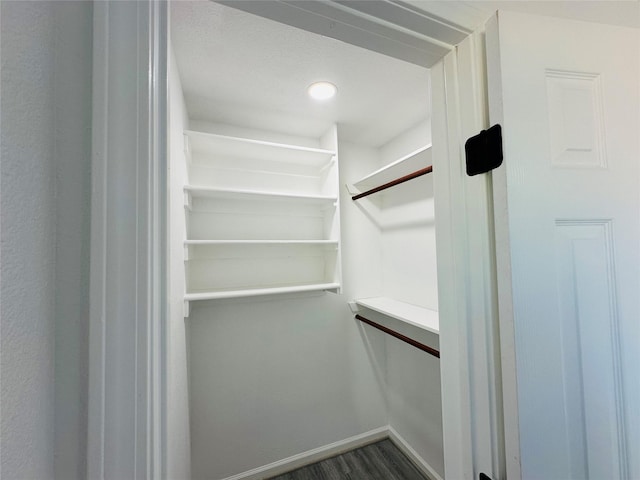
470,367
126,435
567,214
127,351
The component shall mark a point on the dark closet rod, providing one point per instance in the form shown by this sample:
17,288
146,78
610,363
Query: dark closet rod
404,338
393,183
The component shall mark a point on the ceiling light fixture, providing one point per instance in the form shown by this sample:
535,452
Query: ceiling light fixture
322,90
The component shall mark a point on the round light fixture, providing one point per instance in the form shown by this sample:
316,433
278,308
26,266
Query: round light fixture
322,90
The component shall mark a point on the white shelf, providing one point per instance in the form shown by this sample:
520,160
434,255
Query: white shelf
412,314
410,163
241,194
226,146
262,218
252,292
261,242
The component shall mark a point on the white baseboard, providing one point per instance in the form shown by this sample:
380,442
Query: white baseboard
315,455
417,460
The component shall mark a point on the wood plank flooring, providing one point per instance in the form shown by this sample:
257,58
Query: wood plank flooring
379,461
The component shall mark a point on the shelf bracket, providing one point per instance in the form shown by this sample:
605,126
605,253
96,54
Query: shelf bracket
351,189
186,147
328,165
353,306
187,200
186,309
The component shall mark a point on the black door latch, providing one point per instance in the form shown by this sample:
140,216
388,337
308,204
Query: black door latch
483,152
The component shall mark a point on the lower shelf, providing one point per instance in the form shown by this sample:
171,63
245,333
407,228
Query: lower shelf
255,292
412,314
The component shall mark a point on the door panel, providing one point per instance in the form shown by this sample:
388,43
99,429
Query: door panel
567,218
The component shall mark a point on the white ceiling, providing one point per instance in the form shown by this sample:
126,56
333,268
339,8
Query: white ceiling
241,69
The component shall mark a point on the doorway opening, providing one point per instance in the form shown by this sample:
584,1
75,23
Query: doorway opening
270,257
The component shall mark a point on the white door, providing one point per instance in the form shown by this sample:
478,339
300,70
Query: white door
567,214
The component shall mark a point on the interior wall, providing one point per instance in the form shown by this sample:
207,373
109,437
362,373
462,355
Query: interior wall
178,436
28,240
408,227
410,275
415,406
45,198
273,377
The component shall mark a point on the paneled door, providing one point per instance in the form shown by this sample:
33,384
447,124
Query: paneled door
567,218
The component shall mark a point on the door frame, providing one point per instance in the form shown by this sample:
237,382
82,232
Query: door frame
126,435
128,302
467,278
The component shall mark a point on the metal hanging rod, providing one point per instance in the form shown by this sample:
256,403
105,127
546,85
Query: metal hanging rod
393,183
399,336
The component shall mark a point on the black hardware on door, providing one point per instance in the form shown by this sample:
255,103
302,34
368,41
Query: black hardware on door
484,477
483,152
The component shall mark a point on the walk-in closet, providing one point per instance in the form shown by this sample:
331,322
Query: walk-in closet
302,274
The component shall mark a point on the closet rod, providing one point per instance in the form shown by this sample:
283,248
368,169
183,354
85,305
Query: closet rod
393,183
393,333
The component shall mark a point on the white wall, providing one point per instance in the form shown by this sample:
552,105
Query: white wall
46,85
415,407
401,220
274,377
408,228
28,241
410,275
178,439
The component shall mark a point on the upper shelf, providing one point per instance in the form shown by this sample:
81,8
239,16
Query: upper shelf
406,168
223,145
243,194
412,314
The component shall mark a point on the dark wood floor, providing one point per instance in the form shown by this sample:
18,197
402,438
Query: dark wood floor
378,461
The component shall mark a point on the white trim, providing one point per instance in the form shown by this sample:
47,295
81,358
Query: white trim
471,392
415,458
466,16
482,321
127,310
313,456
415,19
97,291
503,259
158,98
451,285
383,26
